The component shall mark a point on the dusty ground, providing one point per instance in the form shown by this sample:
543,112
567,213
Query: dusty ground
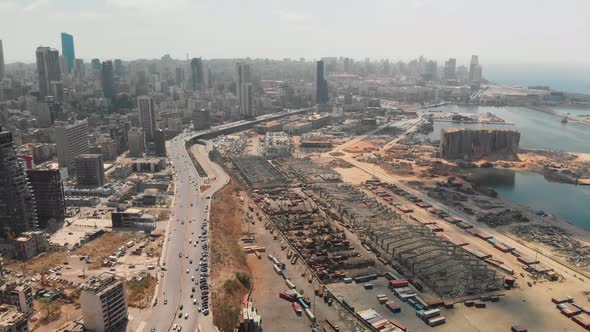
63,313
362,147
227,258
101,248
139,292
41,263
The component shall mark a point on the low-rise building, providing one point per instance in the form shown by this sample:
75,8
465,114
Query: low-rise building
133,218
104,307
30,244
12,320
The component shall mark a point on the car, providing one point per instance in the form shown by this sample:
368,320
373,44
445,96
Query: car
152,329
192,278
175,327
193,289
185,316
181,306
187,271
180,315
199,309
165,301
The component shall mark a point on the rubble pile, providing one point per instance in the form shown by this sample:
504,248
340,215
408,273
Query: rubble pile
502,218
576,252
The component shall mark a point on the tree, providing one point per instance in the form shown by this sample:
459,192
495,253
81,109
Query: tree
49,306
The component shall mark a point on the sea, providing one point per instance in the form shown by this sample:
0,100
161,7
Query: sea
538,130
559,77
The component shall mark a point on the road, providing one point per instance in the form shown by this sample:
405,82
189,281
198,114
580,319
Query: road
189,212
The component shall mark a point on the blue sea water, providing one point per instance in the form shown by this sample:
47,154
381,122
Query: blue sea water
567,77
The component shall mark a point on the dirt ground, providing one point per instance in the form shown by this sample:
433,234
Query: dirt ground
103,247
38,264
361,147
139,292
64,312
227,257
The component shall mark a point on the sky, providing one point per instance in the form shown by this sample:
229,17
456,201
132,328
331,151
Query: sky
539,31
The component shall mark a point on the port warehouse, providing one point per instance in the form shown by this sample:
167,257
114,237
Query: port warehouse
434,264
325,197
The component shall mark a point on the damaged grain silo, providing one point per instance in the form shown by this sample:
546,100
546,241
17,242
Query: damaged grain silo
489,144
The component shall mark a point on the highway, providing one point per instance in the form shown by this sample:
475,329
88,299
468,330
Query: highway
182,247
181,255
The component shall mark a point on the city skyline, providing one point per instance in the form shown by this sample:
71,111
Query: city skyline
279,31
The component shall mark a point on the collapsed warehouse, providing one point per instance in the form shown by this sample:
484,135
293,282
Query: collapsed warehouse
310,218
446,268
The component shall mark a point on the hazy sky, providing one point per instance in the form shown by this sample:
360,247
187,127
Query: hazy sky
497,30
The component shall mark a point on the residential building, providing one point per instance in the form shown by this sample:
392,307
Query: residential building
67,50
11,320
71,140
48,69
136,142
17,204
103,302
322,96
147,116
30,244
79,69
108,80
160,143
108,147
18,295
90,170
47,188
244,88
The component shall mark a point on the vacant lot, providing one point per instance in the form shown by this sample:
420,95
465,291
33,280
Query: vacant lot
103,247
229,272
140,291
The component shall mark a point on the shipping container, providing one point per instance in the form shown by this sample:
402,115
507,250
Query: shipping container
436,321
277,269
347,305
390,276
290,284
398,283
368,286
333,325
398,324
303,304
583,320
479,304
518,328
393,307
562,299
287,297
297,308
309,314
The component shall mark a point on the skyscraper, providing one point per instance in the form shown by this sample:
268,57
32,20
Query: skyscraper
136,141
197,73
147,116
67,49
450,69
160,143
1,61
90,170
119,68
321,84
71,140
475,70
47,69
17,205
244,88
47,187
108,80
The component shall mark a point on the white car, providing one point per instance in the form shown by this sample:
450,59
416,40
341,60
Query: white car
185,316
187,271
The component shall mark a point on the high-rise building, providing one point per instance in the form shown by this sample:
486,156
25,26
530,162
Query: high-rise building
79,68
475,70
67,50
119,68
160,143
322,96
71,141
108,80
1,61
147,116
17,204
104,307
200,119
90,170
48,69
179,75
450,69
244,88
136,142
47,188
197,73
108,147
